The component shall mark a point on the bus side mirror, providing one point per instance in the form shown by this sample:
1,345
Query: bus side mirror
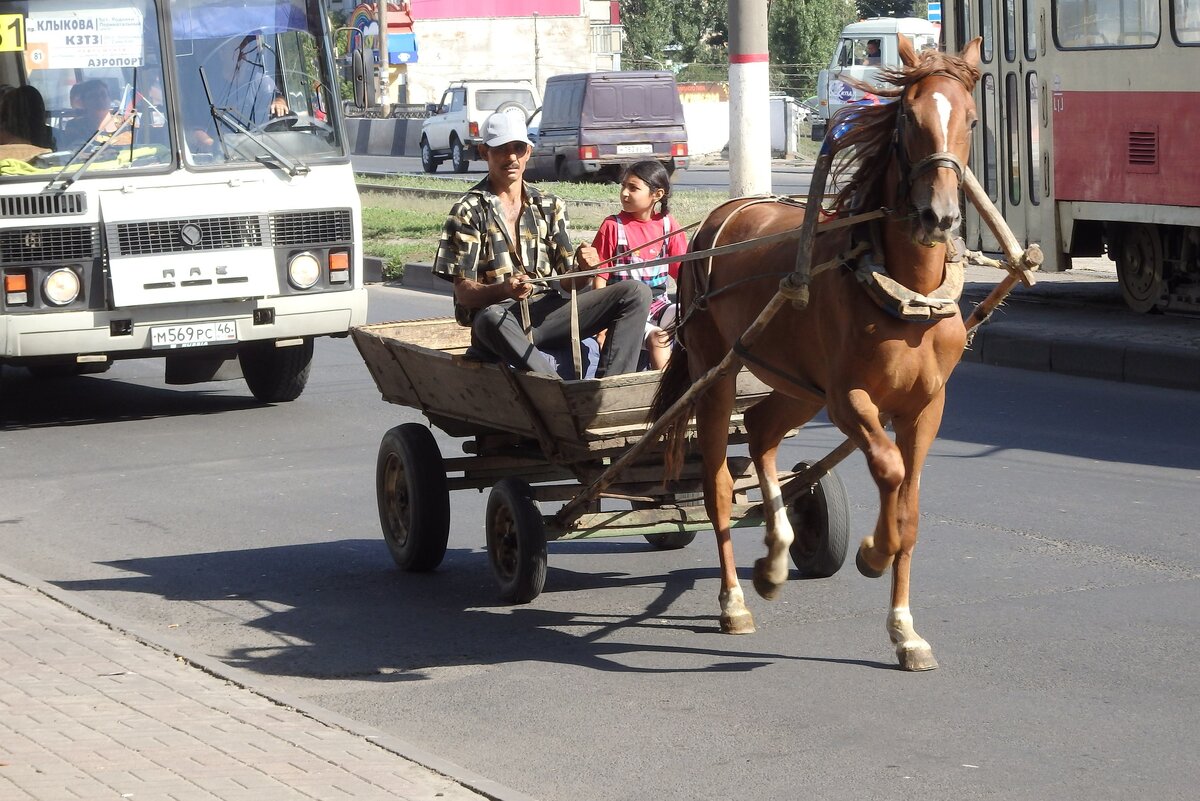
363,88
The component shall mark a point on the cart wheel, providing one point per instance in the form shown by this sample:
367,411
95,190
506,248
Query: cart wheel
414,502
674,540
821,520
516,540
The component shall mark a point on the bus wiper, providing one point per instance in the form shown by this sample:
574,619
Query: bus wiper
225,115
126,123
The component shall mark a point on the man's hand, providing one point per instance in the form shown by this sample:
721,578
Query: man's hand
518,287
279,106
586,257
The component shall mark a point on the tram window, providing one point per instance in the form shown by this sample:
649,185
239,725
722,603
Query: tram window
1185,21
989,135
963,24
985,30
1096,24
1012,105
1034,116
1010,30
1029,10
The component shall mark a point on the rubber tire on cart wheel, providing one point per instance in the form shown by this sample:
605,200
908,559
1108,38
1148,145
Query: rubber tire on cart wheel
516,540
674,540
1139,258
458,156
413,497
276,375
820,519
428,162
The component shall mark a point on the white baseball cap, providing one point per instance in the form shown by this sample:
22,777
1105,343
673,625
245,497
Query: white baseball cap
504,127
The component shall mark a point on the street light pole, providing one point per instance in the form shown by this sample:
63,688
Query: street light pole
749,107
385,67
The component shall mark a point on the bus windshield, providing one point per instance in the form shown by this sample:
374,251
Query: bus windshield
84,84
254,81
88,87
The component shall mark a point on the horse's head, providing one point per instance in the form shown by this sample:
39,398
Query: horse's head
933,136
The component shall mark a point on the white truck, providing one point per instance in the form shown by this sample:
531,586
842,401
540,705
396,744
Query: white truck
862,50
452,133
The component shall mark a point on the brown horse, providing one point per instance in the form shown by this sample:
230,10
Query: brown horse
844,352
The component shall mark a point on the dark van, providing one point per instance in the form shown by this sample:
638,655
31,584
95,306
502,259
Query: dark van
592,124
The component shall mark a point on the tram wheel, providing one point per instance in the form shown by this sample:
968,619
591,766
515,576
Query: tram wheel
1139,258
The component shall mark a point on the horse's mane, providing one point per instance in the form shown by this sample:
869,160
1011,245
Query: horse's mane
866,135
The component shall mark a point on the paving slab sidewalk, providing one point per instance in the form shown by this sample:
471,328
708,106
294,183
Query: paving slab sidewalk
88,711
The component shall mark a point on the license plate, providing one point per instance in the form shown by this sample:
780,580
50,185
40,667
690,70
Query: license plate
192,335
633,150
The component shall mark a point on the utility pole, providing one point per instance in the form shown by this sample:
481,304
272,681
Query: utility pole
537,56
385,68
749,108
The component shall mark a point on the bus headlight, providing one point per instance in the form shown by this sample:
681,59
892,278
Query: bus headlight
61,287
304,270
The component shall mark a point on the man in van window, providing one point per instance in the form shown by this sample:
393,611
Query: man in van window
504,232
872,57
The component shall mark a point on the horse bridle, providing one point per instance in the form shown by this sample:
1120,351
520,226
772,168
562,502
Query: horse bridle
909,172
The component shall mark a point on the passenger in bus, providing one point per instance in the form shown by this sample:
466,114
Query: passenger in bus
239,83
23,129
503,233
92,103
872,59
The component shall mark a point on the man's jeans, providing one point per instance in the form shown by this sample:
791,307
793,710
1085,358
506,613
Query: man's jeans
622,308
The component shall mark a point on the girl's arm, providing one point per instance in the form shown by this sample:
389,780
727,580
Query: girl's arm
676,246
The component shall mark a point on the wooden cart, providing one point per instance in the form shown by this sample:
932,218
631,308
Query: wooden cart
536,439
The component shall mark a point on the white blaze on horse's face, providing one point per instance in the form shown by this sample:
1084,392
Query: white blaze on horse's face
941,115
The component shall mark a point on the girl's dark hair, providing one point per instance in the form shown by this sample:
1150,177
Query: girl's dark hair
654,175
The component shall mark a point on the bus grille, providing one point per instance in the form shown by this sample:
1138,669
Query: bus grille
42,245
43,205
311,227
176,236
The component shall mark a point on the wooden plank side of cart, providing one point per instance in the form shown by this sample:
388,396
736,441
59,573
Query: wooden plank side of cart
421,364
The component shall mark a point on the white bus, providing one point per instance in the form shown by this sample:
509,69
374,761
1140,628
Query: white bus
175,183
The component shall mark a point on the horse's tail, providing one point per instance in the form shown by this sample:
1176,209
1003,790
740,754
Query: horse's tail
674,382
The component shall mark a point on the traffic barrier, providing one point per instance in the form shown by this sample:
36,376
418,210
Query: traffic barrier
390,137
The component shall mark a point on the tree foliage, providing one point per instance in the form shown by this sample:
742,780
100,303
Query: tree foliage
801,35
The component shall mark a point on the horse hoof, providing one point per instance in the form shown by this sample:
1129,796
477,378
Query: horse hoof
738,623
763,585
861,563
916,659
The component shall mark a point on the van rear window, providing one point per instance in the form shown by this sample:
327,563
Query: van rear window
625,103
492,99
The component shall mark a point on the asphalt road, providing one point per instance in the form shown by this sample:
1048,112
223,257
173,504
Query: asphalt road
1057,579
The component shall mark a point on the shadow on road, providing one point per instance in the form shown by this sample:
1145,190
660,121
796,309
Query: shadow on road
28,402
338,610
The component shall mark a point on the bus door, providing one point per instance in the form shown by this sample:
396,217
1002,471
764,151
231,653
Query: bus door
1011,148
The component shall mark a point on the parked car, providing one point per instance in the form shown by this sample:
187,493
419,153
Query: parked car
452,131
592,124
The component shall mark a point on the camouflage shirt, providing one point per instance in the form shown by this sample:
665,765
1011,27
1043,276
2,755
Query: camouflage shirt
475,242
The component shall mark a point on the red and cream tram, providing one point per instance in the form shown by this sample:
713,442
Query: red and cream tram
1089,134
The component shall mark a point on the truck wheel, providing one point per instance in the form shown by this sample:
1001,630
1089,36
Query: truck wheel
276,375
563,170
458,156
1139,258
516,540
412,496
820,519
428,162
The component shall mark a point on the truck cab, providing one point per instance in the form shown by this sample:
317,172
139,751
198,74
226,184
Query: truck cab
863,49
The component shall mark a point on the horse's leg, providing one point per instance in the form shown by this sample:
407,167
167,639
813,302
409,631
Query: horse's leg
914,439
712,424
766,423
858,416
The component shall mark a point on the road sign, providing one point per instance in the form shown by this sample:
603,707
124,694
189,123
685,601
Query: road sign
935,11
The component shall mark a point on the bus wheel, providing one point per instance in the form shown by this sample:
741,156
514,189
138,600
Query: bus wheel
276,375
1139,257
